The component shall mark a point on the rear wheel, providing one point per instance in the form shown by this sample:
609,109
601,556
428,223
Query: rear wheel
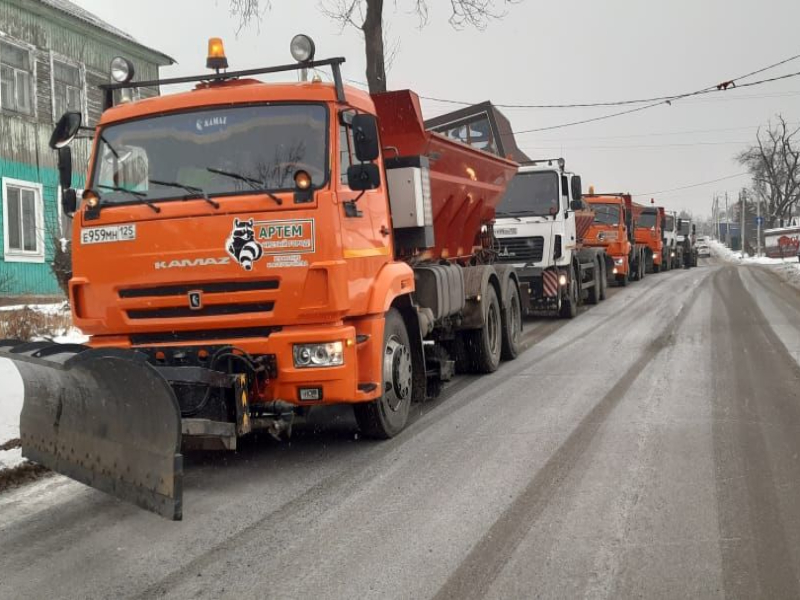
595,291
512,323
484,345
385,417
603,279
569,307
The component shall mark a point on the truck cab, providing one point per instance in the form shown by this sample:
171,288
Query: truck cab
538,227
648,233
671,238
613,229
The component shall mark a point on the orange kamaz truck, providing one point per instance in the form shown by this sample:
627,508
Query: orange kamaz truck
246,251
613,229
650,234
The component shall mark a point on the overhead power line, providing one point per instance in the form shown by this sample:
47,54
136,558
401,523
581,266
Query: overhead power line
693,185
668,101
731,83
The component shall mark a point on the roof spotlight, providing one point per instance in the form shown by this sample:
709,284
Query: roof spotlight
302,48
122,70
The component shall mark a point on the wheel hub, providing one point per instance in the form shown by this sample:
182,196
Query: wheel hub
397,373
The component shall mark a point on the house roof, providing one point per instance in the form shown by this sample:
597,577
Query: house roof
73,10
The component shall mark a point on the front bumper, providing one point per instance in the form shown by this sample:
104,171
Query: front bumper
354,381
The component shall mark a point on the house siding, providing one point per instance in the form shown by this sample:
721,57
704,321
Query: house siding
24,150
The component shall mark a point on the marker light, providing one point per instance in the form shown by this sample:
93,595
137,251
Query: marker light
302,180
302,48
90,198
122,70
216,54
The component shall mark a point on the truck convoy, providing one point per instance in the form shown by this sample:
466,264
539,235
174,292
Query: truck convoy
246,251
540,227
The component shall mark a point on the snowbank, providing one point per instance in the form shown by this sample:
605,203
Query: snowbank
788,268
10,402
56,308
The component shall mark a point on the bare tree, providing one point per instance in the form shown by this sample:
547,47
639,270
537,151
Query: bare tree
367,16
774,163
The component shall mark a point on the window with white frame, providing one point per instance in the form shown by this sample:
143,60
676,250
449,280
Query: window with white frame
67,88
16,79
23,221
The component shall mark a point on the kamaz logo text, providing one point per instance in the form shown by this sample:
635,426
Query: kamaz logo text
191,262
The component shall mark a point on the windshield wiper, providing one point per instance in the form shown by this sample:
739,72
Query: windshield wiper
503,215
190,189
141,196
254,183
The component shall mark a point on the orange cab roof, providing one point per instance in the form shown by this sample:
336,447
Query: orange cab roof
237,91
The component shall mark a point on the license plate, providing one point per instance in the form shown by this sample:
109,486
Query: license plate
112,233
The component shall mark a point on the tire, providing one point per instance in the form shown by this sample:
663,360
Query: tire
387,416
569,308
484,345
603,280
512,323
595,291
635,269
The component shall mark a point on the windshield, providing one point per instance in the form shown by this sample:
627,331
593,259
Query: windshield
264,144
606,214
530,194
669,223
686,227
647,219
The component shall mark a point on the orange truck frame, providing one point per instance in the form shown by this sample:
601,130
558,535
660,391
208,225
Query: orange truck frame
246,251
614,229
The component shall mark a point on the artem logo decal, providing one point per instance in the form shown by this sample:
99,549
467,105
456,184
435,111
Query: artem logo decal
242,246
250,240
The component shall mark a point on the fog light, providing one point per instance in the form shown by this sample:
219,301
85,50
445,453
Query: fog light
328,354
302,48
614,271
122,70
562,280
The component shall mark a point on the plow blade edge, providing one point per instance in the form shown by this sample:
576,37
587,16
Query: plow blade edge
105,418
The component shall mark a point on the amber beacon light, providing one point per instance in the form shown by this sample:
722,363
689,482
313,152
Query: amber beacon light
216,54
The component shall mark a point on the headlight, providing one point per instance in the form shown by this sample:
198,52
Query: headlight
619,261
562,280
328,354
672,254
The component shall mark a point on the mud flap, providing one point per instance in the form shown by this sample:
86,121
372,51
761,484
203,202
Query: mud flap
103,417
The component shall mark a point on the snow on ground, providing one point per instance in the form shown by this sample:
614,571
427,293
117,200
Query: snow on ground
10,400
788,268
11,458
55,308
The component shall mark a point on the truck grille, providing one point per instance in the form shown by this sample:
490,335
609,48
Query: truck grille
216,287
213,310
521,249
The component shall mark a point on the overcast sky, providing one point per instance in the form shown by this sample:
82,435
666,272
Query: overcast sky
570,51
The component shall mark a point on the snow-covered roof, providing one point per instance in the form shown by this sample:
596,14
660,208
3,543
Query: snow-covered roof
75,11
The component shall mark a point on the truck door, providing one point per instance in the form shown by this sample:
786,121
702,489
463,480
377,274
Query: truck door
365,223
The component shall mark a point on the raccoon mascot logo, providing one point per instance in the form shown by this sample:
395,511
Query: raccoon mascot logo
242,246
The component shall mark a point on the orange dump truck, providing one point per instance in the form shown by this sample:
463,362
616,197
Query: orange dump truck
613,229
246,251
650,234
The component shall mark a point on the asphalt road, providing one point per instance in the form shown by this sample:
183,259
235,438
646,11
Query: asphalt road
648,448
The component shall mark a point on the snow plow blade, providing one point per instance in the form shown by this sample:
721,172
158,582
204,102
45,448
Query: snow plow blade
103,417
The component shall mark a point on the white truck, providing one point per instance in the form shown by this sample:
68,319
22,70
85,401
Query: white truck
539,227
671,252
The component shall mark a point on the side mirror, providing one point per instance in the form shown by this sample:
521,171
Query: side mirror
363,177
576,188
65,167
365,136
576,204
65,130
69,201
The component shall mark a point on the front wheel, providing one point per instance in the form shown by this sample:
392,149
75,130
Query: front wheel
569,308
385,417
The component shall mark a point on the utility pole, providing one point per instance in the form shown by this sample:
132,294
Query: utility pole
727,223
742,196
758,225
